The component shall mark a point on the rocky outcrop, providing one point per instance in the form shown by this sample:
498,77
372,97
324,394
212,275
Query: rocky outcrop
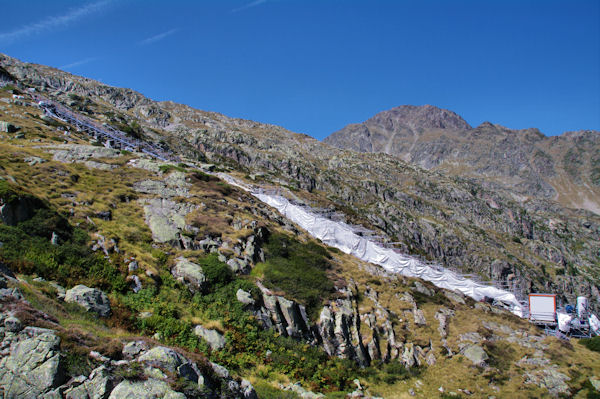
92,299
190,274
15,208
97,385
443,316
339,327
68,153
166,219
149,389
287,317
476,355
213,338
173,185
33,366
551,379
162,357
244,297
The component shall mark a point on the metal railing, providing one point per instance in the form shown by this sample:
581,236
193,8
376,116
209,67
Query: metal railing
107,132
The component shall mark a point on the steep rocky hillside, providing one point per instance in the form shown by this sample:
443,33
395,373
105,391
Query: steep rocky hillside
133,277
526,163
535,245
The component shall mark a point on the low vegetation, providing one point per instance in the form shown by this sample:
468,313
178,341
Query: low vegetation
299,270
27,248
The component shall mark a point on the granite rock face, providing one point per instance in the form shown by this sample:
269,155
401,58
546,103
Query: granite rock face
34,365
92,299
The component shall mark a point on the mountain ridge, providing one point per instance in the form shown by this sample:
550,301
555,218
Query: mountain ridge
565,168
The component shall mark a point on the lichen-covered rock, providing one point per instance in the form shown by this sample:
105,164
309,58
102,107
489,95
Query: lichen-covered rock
551,379
419,316
174,185
134,348
409,356
33,366
302,392
166,218
476,355
420,287
443,316
68,153
162,357
339,330
92,299
97,386
237,265
215,340
455,297
149,389
220,370
247,390
189,273
244,297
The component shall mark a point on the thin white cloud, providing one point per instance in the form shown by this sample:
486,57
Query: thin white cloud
77,63
53,22
249,5
160,36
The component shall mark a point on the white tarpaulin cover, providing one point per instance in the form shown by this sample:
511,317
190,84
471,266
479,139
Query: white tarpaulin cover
594,324
564,321
340,235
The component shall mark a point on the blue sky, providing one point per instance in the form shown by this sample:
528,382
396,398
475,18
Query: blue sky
315,66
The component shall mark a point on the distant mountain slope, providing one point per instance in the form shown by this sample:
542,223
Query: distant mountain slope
525,162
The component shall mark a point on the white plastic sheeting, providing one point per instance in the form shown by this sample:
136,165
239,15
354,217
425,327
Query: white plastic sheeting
341,236
582,307
594,324
564,321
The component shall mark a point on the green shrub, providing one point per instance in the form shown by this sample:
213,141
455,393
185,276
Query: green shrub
168,168
76,364
160,256
298,269
267,391
27,249
223,188
217,273
592,344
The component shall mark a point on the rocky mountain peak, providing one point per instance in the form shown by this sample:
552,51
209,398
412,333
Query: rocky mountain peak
422,116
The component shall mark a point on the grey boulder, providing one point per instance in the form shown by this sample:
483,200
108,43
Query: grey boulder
92,299
476,355
244,297
189,273
149,389
214,339
163,357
